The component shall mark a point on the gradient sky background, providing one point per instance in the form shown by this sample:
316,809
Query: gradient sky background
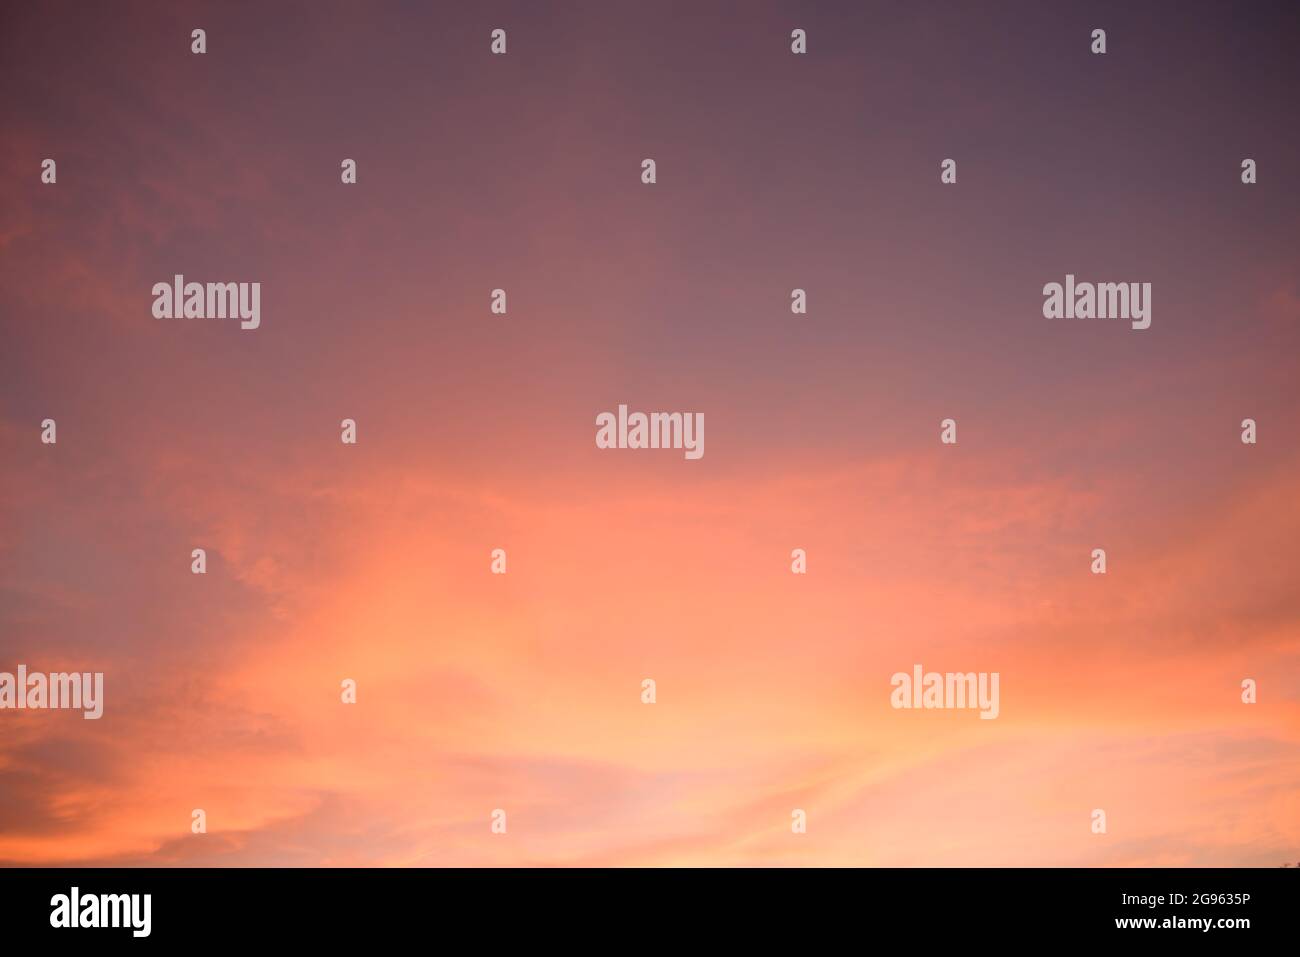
477,431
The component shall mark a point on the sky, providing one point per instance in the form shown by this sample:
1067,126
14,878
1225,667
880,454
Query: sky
522,691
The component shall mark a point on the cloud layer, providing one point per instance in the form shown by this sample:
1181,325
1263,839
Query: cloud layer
521,692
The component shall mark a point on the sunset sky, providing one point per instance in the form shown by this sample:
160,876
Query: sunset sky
475,431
